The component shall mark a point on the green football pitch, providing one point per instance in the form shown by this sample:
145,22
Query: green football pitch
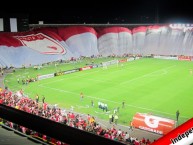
147,85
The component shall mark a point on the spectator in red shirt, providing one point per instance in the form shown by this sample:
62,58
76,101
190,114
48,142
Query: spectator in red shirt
143,140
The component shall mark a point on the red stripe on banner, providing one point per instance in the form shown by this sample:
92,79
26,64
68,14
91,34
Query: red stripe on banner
179,135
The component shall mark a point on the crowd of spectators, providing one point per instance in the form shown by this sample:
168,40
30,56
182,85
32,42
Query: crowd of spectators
19,101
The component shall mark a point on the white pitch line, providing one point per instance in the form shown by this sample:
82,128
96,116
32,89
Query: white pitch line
116,82
81,76
144,108
69,77
125,82
113,82
82,106
75,76
105,113
98,80
164,72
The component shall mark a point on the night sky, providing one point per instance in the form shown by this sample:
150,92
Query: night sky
114,11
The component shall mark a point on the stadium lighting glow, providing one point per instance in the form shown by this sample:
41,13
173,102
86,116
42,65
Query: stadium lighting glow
185,27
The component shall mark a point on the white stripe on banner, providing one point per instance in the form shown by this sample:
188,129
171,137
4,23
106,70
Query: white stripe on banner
13,24
1,24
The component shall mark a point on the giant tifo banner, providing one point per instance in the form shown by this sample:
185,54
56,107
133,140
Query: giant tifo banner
153,123
48,46
44,45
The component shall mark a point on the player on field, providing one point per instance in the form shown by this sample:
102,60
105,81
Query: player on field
81,96
123,104
191,72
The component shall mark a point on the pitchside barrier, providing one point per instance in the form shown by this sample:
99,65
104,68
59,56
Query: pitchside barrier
41,77
153,123
187,58
166,57
85,68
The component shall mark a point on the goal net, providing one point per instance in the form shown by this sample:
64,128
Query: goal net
108,63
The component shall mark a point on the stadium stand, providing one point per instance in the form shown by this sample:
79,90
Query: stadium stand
56,130
44,45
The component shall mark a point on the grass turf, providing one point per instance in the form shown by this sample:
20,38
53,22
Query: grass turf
147,85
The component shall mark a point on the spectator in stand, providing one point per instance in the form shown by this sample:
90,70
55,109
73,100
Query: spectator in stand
92,120
126,136
88,118
148,142
136,142
143,140
21,92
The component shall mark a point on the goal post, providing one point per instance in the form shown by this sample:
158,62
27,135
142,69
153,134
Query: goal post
109,63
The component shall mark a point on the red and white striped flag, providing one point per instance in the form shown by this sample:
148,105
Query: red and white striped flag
182,135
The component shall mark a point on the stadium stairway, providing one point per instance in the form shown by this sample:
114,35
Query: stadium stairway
9,137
